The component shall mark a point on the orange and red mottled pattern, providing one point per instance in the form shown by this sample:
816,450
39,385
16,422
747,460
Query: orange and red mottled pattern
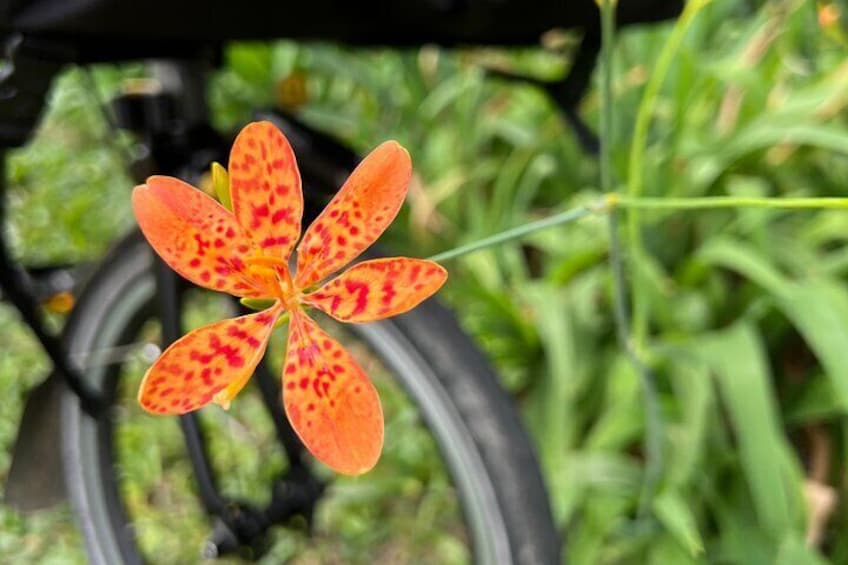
196,236
357,215
330,402
212,363
373,290
265,188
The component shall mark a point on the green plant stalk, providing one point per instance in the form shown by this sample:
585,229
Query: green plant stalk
708,202
621,314
652,443
636,162
520,231
612,201
607,110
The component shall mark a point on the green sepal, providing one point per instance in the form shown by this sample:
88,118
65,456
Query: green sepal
283,319
257,303
221,184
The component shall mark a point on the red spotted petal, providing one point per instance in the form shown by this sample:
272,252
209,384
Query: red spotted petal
373,290
196,236
265,188
355,218
212,363
330,402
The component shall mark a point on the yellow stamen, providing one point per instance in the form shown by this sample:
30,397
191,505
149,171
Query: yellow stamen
262,271
273,268
266,261
264,266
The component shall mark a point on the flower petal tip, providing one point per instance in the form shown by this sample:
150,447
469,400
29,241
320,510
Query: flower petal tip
397,152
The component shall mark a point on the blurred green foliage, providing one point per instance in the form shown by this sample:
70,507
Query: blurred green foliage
747,309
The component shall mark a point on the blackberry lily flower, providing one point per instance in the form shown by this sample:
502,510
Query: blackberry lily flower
245,252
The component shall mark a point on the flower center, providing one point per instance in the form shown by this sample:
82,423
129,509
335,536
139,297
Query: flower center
276,271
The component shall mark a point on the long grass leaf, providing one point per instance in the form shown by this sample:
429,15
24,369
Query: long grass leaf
736,358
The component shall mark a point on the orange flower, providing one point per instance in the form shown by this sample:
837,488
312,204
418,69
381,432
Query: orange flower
330,402
828,15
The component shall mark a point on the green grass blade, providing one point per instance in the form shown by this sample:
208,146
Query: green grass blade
819,309
743,259
736,358
675,514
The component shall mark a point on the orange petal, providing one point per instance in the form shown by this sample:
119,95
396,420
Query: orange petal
357,215
329,400
196,236
212,363
265,188
373,290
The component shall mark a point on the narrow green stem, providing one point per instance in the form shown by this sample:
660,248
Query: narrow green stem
636,163
607,110
521,231
607,128
621,313
613,200
706,202
653,419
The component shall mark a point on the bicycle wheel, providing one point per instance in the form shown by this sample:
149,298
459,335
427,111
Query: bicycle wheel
442,403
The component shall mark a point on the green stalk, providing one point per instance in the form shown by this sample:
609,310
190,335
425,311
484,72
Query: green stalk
653,419
521,231
636,164
706,202
607,128
607,111
612,201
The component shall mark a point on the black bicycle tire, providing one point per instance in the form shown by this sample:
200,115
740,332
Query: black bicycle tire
460,370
